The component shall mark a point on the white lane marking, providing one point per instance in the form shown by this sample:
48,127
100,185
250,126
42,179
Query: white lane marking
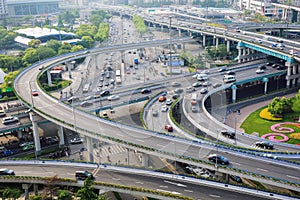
216,196
139,182
117,179
139,140
173,192
173,183
260,169
163,186
160,145
294,177
191,191
120,135
235,163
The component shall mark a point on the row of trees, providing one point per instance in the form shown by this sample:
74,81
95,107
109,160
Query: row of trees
89,33
51,189
280,106
139,24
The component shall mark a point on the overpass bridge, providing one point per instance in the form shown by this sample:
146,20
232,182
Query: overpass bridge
131,137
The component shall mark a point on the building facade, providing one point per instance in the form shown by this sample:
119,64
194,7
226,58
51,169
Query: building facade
3,9
19,8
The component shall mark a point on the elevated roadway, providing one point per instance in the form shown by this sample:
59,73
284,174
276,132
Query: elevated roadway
135,138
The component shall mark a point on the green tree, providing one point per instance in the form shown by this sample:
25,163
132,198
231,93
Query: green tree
86,30
64,195
54,44
64,48
10,63
76,48
45,52
87,192
34,43
35,197
30,56
11,193
89,41
296,104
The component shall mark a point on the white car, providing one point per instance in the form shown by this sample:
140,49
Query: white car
85,104
175,84
190,89
169,102
259,71
76,140
164,108
113,97
205,71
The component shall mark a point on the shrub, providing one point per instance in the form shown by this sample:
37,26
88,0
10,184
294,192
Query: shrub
265,114
295,136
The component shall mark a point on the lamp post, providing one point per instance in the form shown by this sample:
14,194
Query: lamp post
32,103
170,48
217,150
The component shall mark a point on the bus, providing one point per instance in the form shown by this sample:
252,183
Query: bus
86,88
118,72
118,80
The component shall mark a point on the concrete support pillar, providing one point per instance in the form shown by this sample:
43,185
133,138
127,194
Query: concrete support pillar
90,149
233,87
239,54
20,134
265,80
61,136
69,66
179,32
162,28
214,40
294,72
35,189
289,73
26,188
34,118
204,41
217,42
49,77
228,45
145,160
183,46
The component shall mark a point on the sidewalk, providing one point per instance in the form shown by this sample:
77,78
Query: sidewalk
236,119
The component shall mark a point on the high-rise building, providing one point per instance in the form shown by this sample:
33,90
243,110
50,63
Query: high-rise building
3,9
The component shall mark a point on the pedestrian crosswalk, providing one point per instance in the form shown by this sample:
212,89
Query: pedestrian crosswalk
109,150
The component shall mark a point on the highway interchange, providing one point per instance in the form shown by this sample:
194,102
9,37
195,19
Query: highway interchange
48,107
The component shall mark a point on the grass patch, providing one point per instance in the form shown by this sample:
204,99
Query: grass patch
254,123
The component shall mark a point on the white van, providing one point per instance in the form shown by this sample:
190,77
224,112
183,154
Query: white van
202,77
7,120
229,78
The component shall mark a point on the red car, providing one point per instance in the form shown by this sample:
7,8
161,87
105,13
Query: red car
162,98
169,128
34,93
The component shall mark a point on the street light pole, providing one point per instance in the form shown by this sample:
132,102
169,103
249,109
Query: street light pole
170,48
32,105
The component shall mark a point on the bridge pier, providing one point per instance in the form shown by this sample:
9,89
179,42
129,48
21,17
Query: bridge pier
228,45
204,41
217,42
234,88
34,119
90,149
69,67
49,77
145,160
26,188
61,136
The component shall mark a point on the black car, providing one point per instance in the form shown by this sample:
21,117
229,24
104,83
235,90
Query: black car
229,134
175,96
281,67
230,73
264,145
145,91
104,93
262,67
269,64
218,159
